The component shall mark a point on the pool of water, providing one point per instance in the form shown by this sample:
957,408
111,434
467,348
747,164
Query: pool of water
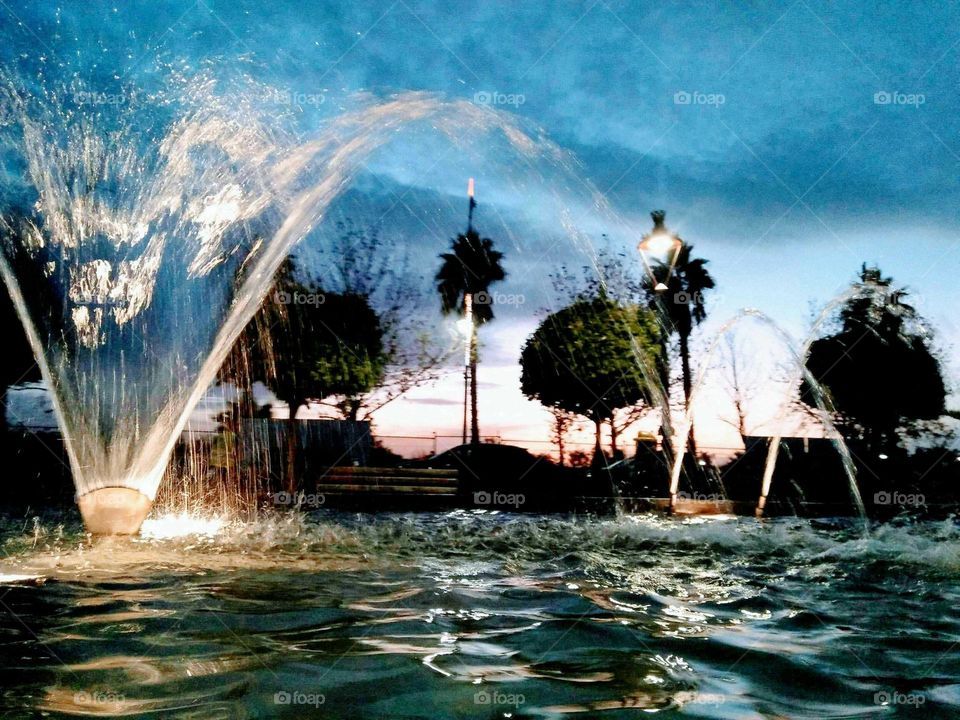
480,615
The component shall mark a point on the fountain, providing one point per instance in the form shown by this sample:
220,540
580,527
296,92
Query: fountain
135,256
824,408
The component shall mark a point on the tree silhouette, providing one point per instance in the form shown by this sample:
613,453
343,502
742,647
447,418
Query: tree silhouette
470,269
306,344
559,427
589,358
358,261
878,367
353,361
613,273
680,308
743,376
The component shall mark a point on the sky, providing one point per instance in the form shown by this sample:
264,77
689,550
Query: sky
788,141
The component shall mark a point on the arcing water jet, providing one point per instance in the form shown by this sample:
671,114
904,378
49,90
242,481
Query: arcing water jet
135,261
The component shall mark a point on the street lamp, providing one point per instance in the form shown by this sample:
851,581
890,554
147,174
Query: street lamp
662,247
466,323
465,326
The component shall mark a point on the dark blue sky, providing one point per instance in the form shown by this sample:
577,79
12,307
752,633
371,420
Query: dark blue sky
789,141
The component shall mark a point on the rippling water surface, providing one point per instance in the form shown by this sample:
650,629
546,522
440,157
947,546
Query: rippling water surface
479,615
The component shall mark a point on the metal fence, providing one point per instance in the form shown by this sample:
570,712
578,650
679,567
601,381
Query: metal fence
418,446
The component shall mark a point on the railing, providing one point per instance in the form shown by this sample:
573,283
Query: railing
414,446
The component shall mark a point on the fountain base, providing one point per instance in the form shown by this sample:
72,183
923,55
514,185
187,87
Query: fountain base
114,510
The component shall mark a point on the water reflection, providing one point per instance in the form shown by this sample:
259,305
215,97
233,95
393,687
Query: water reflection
426,617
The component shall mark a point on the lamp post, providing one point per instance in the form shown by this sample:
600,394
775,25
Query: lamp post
466,322
465,326
660,247
473,204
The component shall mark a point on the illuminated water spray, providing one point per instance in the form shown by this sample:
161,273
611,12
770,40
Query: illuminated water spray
136,255
821,401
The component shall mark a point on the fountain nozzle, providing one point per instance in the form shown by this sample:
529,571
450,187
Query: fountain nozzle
114,510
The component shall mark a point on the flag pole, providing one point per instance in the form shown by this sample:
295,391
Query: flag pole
473,204
468,316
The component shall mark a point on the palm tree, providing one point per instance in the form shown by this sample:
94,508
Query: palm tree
680,308
878,367
468,272
877,307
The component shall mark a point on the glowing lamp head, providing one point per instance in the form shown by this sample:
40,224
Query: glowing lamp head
661,248
659,244
470,187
